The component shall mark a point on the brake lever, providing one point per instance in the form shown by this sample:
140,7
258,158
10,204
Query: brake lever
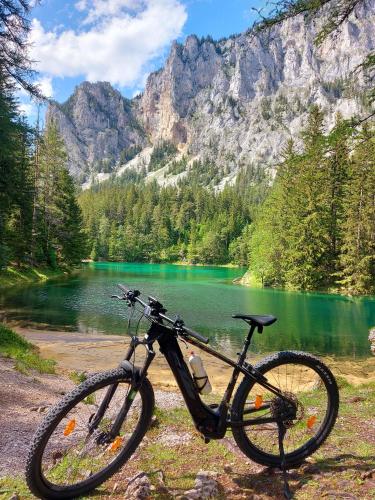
117,297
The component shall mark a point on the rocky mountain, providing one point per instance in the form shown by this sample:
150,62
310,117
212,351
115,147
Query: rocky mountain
232,102
97,124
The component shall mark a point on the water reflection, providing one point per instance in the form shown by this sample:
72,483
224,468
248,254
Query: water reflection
206,299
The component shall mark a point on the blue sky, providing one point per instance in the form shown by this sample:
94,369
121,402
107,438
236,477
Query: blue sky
121,41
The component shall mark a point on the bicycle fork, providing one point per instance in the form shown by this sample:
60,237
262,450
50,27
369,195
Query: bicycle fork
137,380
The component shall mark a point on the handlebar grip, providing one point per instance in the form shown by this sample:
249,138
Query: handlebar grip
196,335
123,288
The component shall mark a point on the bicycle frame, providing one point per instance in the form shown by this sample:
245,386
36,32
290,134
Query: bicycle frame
211,421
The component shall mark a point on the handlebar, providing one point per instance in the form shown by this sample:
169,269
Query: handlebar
157,311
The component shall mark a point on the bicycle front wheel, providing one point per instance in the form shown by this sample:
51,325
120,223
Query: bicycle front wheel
312,388
68,458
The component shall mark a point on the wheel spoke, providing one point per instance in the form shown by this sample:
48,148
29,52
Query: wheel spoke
303,385
72,454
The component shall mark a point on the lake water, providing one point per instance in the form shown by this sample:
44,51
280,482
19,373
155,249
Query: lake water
206,298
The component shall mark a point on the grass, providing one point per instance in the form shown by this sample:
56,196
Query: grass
77,377
25,275
25,355
342,464
11,485
338,465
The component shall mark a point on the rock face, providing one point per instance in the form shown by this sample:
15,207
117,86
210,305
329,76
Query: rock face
235,101
97,124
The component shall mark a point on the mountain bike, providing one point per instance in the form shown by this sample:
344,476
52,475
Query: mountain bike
283,409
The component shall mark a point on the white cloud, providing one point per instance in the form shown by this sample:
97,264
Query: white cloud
27,108
81,5
101,9
116,43
45,86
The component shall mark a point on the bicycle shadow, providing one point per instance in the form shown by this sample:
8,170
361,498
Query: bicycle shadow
270,482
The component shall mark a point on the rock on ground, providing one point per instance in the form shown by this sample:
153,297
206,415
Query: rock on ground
206,486
139,487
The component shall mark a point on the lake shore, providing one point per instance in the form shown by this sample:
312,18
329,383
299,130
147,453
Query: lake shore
27,275
75,351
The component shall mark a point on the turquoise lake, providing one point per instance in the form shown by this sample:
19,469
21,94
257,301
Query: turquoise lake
206,298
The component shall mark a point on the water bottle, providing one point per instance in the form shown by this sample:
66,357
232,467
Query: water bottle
199,374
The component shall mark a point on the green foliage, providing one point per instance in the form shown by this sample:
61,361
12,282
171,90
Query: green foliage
239,248
15,65
15,178
335,88
161,155
39,217
176,167
357,253
58,221
138,222
129,153
265,108
26,356
77,377
25,275
40,220
315,229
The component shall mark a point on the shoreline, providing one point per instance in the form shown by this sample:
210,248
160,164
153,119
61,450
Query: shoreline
174,263
27,275
79,352
249,280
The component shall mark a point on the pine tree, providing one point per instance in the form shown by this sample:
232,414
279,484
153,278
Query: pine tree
15,189
295,237
52,159
15,65
357,254
69,237
307,224
60,237
337,174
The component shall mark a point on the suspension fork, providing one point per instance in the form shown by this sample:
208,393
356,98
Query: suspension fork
115,430
97,417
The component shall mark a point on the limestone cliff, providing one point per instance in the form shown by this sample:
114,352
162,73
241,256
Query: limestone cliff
235,101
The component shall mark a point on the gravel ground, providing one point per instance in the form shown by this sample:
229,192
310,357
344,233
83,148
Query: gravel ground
23,401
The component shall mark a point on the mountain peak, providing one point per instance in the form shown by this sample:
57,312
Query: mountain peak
235,102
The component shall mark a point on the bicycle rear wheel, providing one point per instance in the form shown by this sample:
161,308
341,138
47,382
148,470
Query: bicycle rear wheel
313,389
66,459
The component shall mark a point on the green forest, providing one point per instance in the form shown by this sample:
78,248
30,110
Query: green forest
40,219
314,228
309,226
138,222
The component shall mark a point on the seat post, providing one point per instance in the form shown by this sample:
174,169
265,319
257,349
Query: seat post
242,355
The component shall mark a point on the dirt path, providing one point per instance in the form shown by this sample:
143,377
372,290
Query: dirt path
95,352
343,468
24,399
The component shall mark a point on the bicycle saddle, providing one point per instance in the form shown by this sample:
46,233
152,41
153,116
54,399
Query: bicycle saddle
265,320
